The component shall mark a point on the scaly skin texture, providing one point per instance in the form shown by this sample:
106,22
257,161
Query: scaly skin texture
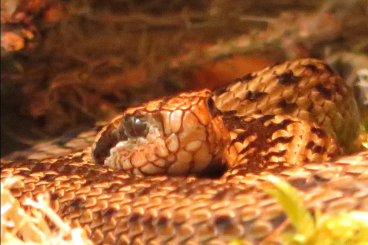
175,136
307,89
313,116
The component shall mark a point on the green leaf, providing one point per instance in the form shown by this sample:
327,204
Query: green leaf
349,228
292,204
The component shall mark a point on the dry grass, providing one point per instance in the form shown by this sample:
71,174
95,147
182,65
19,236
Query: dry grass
20,227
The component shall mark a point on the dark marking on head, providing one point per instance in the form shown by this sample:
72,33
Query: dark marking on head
288,108
212,108
288,78
254,95
220,90
325,92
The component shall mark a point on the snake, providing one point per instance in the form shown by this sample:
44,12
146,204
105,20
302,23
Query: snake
192,168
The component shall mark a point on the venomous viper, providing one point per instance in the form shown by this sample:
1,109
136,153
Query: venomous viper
294,120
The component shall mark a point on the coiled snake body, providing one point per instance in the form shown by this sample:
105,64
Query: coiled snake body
293,120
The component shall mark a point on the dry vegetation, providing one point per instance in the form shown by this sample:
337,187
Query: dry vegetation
21,226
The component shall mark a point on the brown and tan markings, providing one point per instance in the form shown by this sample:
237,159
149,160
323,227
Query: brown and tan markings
295,120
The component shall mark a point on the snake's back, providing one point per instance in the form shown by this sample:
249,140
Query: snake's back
118,209
285,121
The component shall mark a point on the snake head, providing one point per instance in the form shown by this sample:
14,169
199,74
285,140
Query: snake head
178,136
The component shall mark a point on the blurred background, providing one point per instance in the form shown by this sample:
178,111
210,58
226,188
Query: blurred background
67,64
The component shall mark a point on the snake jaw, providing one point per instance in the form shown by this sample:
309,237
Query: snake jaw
177,136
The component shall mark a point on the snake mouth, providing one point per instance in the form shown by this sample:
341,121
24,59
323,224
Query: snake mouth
106,139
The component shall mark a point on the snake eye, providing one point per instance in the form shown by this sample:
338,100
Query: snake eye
135,127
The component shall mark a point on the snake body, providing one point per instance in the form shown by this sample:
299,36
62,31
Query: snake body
295,120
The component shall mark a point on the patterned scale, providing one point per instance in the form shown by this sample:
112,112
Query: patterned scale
295,120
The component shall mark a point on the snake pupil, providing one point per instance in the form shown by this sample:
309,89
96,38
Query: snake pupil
134,127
